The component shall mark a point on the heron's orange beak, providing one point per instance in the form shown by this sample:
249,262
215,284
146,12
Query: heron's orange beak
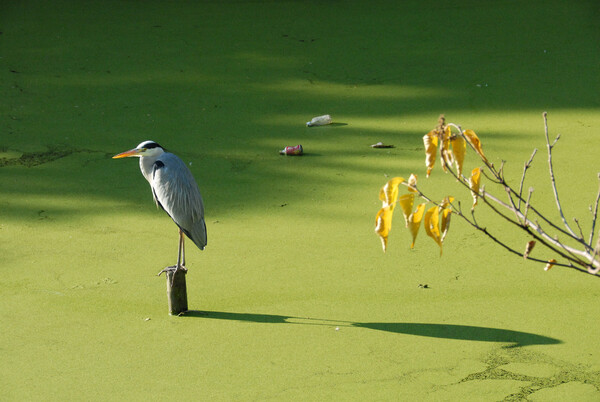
131,152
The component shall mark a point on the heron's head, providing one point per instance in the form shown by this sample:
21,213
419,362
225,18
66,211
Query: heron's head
146,148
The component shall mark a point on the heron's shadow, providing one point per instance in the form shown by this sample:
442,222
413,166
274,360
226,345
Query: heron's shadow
443,331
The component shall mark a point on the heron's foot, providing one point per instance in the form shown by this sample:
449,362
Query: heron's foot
174,269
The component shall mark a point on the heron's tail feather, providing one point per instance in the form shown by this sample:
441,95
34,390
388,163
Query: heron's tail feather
197,234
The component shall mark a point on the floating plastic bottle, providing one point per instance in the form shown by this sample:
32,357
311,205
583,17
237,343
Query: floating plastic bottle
381,145
319,121
297,150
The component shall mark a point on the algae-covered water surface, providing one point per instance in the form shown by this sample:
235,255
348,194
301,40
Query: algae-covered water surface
293,298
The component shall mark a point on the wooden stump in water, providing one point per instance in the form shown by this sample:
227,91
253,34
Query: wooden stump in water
177,291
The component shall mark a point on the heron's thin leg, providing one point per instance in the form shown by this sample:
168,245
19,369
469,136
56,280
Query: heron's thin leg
180,256
183,247
180,249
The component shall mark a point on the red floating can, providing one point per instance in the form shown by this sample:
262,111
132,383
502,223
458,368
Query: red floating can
297,150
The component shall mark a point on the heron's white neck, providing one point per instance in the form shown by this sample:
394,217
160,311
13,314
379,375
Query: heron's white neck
147,163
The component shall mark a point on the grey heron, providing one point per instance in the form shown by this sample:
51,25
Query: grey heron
175,191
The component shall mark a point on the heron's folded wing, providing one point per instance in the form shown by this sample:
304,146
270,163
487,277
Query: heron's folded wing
176,191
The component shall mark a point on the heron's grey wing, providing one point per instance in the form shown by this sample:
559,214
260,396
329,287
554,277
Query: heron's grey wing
176,191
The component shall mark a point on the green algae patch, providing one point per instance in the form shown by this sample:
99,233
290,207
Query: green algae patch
9,154
292,298
478,390
530,369
30,159
583,392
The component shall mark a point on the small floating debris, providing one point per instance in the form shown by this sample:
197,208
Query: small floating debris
319,121
297,150
381,145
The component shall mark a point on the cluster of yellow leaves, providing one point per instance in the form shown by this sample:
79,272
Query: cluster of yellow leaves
436,219
456,155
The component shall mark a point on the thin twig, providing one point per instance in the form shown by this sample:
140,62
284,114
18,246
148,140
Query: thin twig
541,235
495,179
529,208
501,171
593,268
578,227
531,189
456,126
569,251
551,171
558,228
595,214
527,224
527,165
514,207
509,248
574,257
419,193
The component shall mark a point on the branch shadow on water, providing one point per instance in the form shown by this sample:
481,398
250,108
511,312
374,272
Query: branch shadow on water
440,331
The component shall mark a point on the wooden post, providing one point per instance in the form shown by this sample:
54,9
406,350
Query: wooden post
177,291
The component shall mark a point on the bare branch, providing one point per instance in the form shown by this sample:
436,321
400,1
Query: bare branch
514,207
529,207
509,248
501,171
552,178
575,253
456,126
527,165
570,252
529,226
558,228
495,179
536,230
595,214
531,189
578,227
593,268
474,219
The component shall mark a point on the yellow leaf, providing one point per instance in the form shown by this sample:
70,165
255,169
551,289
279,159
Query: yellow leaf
414,222
383,224
432,225
459,147
430,140
446,202
550,264
406,201
412,183
446,215
474,140
389,192
447,153
474,182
